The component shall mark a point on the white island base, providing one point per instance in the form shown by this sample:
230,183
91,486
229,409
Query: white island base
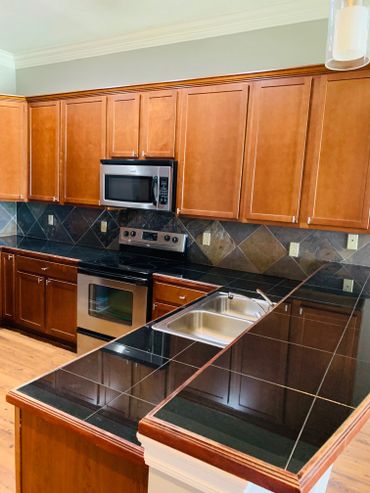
171,471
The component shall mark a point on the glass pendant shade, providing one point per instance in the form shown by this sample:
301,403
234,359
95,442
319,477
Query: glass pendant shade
348,34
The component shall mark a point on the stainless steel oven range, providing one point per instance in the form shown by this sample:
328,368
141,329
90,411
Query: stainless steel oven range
114,291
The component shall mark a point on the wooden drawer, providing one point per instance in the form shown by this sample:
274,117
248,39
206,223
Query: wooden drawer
175,295
46,268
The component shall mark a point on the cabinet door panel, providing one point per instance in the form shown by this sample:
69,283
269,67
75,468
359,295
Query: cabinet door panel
158,123
211,150
31,301
340,153
123,125
13,150
275,149
61,309
8,285
161,309
84,144
44,148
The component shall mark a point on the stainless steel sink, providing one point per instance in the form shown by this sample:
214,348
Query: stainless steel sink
235,305
205,326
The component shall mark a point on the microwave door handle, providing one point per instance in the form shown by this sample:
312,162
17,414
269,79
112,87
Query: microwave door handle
155,190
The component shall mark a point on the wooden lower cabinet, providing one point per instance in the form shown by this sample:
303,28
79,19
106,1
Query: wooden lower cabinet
30,294
60,309
39,295
170,293
57,459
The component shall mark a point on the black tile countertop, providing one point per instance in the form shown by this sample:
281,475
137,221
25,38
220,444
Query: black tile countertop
277,393
288,383
52,248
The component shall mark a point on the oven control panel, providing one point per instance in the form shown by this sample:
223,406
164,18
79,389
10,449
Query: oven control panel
161,240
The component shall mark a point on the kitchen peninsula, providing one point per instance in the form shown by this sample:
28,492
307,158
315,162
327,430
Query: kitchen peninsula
278,420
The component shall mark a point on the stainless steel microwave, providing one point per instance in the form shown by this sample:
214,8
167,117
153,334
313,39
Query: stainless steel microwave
138,184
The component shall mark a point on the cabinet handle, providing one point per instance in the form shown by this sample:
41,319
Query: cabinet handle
47,282
286,308
10,257
154,307
308,220
142,153
178,210
55,199
39,280
294,219
182,297
44,268
301,311
133,153
21,196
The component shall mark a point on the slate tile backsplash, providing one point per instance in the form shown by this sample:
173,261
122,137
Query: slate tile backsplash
8,218
248,247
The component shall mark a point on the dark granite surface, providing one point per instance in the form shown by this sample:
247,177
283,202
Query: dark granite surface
277,394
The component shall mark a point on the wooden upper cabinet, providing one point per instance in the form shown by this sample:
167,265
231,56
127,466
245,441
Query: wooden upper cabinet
275,149
13,150
211,147
158,124
123,125
83,145
339,152
44,140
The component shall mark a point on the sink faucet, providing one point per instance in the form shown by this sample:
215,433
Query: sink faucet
264,296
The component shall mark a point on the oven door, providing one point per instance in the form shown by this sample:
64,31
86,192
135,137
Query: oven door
138,187
110,307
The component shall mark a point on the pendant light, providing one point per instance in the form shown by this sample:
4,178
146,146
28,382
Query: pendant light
348,34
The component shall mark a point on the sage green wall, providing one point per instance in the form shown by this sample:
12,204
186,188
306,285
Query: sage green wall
7,80
279,47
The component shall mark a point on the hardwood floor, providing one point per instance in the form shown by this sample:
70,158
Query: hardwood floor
23,358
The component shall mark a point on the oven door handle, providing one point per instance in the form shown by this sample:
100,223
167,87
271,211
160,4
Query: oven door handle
116,277
155,190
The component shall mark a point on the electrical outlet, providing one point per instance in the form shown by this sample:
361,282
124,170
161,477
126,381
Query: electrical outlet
352,242
348,285
293,249
51,219
103,226
206,239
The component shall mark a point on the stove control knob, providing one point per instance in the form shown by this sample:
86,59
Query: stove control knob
133,233
175,239
125,233
167,237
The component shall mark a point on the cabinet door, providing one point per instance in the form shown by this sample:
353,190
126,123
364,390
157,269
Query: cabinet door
61,309
211,147
44,136
123,125
8,285
31,301
158,124
275,149
339,152
13,150
84,144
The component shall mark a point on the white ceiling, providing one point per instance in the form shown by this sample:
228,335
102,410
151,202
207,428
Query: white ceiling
34,32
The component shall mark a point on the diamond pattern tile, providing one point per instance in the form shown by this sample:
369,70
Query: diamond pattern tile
263,249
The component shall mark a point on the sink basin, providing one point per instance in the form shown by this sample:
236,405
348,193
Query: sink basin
236,306
204,326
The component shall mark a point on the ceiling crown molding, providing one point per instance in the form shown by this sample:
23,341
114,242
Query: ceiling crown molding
7,59
280,13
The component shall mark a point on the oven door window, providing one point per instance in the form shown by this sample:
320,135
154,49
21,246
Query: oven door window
115,305
124,188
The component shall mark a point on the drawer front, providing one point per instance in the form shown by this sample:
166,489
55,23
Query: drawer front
175,295
46,268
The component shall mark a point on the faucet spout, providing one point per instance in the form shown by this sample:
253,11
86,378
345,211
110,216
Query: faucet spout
264,296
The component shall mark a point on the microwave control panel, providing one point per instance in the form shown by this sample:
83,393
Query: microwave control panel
163,191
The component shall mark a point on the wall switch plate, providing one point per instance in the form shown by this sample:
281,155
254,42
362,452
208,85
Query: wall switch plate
51,219
348,285
293,249
206,239
103,226
352,242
